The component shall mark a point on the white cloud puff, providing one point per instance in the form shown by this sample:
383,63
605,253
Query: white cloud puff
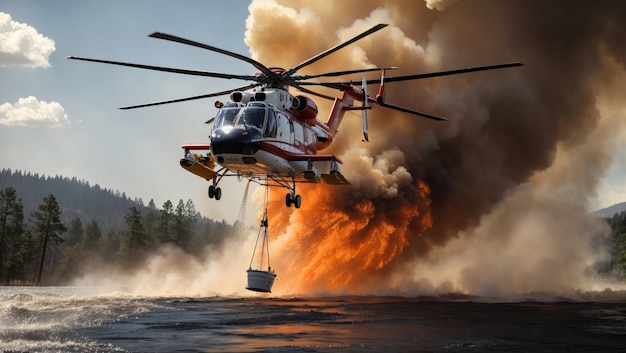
32,112
22,45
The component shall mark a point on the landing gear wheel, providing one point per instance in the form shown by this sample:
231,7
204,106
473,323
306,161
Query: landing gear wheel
218,193
211,191
288,200
297,201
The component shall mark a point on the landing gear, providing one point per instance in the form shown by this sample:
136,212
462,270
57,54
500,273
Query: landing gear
215,192
291,198
296,200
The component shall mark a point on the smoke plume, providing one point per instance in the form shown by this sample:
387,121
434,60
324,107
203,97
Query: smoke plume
492,201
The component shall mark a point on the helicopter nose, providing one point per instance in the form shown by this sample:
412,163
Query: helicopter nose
233,140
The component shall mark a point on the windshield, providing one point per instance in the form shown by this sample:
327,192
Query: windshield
226,116
252,116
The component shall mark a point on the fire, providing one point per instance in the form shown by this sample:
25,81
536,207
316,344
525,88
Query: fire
338,243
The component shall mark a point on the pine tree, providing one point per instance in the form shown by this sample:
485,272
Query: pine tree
74,232
91,237
181,231
166,216
109,246
134,241
618,227
184,221
151,224
190,211
48,227
22,258
70,263
11,219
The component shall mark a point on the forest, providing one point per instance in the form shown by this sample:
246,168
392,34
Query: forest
617,245
55,229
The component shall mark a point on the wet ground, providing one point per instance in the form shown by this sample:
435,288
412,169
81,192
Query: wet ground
49,321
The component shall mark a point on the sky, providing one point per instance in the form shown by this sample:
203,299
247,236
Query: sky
61,117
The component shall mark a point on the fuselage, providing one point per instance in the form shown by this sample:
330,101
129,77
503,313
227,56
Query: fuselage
268,133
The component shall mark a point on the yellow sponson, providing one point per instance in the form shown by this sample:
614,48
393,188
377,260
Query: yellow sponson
203,166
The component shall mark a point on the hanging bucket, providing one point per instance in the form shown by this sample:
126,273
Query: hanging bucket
260,281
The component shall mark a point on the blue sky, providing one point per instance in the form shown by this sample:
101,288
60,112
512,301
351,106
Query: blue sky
60,117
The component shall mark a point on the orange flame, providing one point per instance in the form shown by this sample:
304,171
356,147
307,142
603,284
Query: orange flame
336,244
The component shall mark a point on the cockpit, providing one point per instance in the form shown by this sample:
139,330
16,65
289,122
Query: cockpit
253,117
226,115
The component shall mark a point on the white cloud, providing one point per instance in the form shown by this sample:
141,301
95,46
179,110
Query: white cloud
32,112
22,45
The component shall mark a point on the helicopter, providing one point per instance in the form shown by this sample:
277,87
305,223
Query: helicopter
271,136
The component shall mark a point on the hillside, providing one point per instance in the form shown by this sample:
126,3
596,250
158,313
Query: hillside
112,229
611,210
76,198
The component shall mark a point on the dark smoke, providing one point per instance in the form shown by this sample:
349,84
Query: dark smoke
492,167
551,100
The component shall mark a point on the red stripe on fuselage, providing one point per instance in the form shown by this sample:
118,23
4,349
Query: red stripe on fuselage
294,156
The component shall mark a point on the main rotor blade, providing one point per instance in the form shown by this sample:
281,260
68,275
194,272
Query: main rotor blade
215,94
446,73
251,61
414,112
337,85
305,90
169,69
341,73
333,49
340,86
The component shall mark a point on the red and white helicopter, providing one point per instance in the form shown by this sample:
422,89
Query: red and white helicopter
272,137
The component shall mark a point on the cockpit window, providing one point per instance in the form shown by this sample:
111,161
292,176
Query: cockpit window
270,128
226,116
252,116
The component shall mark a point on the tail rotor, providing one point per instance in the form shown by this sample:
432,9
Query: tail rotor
364,109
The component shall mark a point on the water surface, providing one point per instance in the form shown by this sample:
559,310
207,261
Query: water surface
64,319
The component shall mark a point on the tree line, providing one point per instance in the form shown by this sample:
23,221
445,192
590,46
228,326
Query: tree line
617,245
48,251
77,198
45,239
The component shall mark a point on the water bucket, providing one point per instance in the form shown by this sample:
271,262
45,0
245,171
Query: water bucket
260,281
